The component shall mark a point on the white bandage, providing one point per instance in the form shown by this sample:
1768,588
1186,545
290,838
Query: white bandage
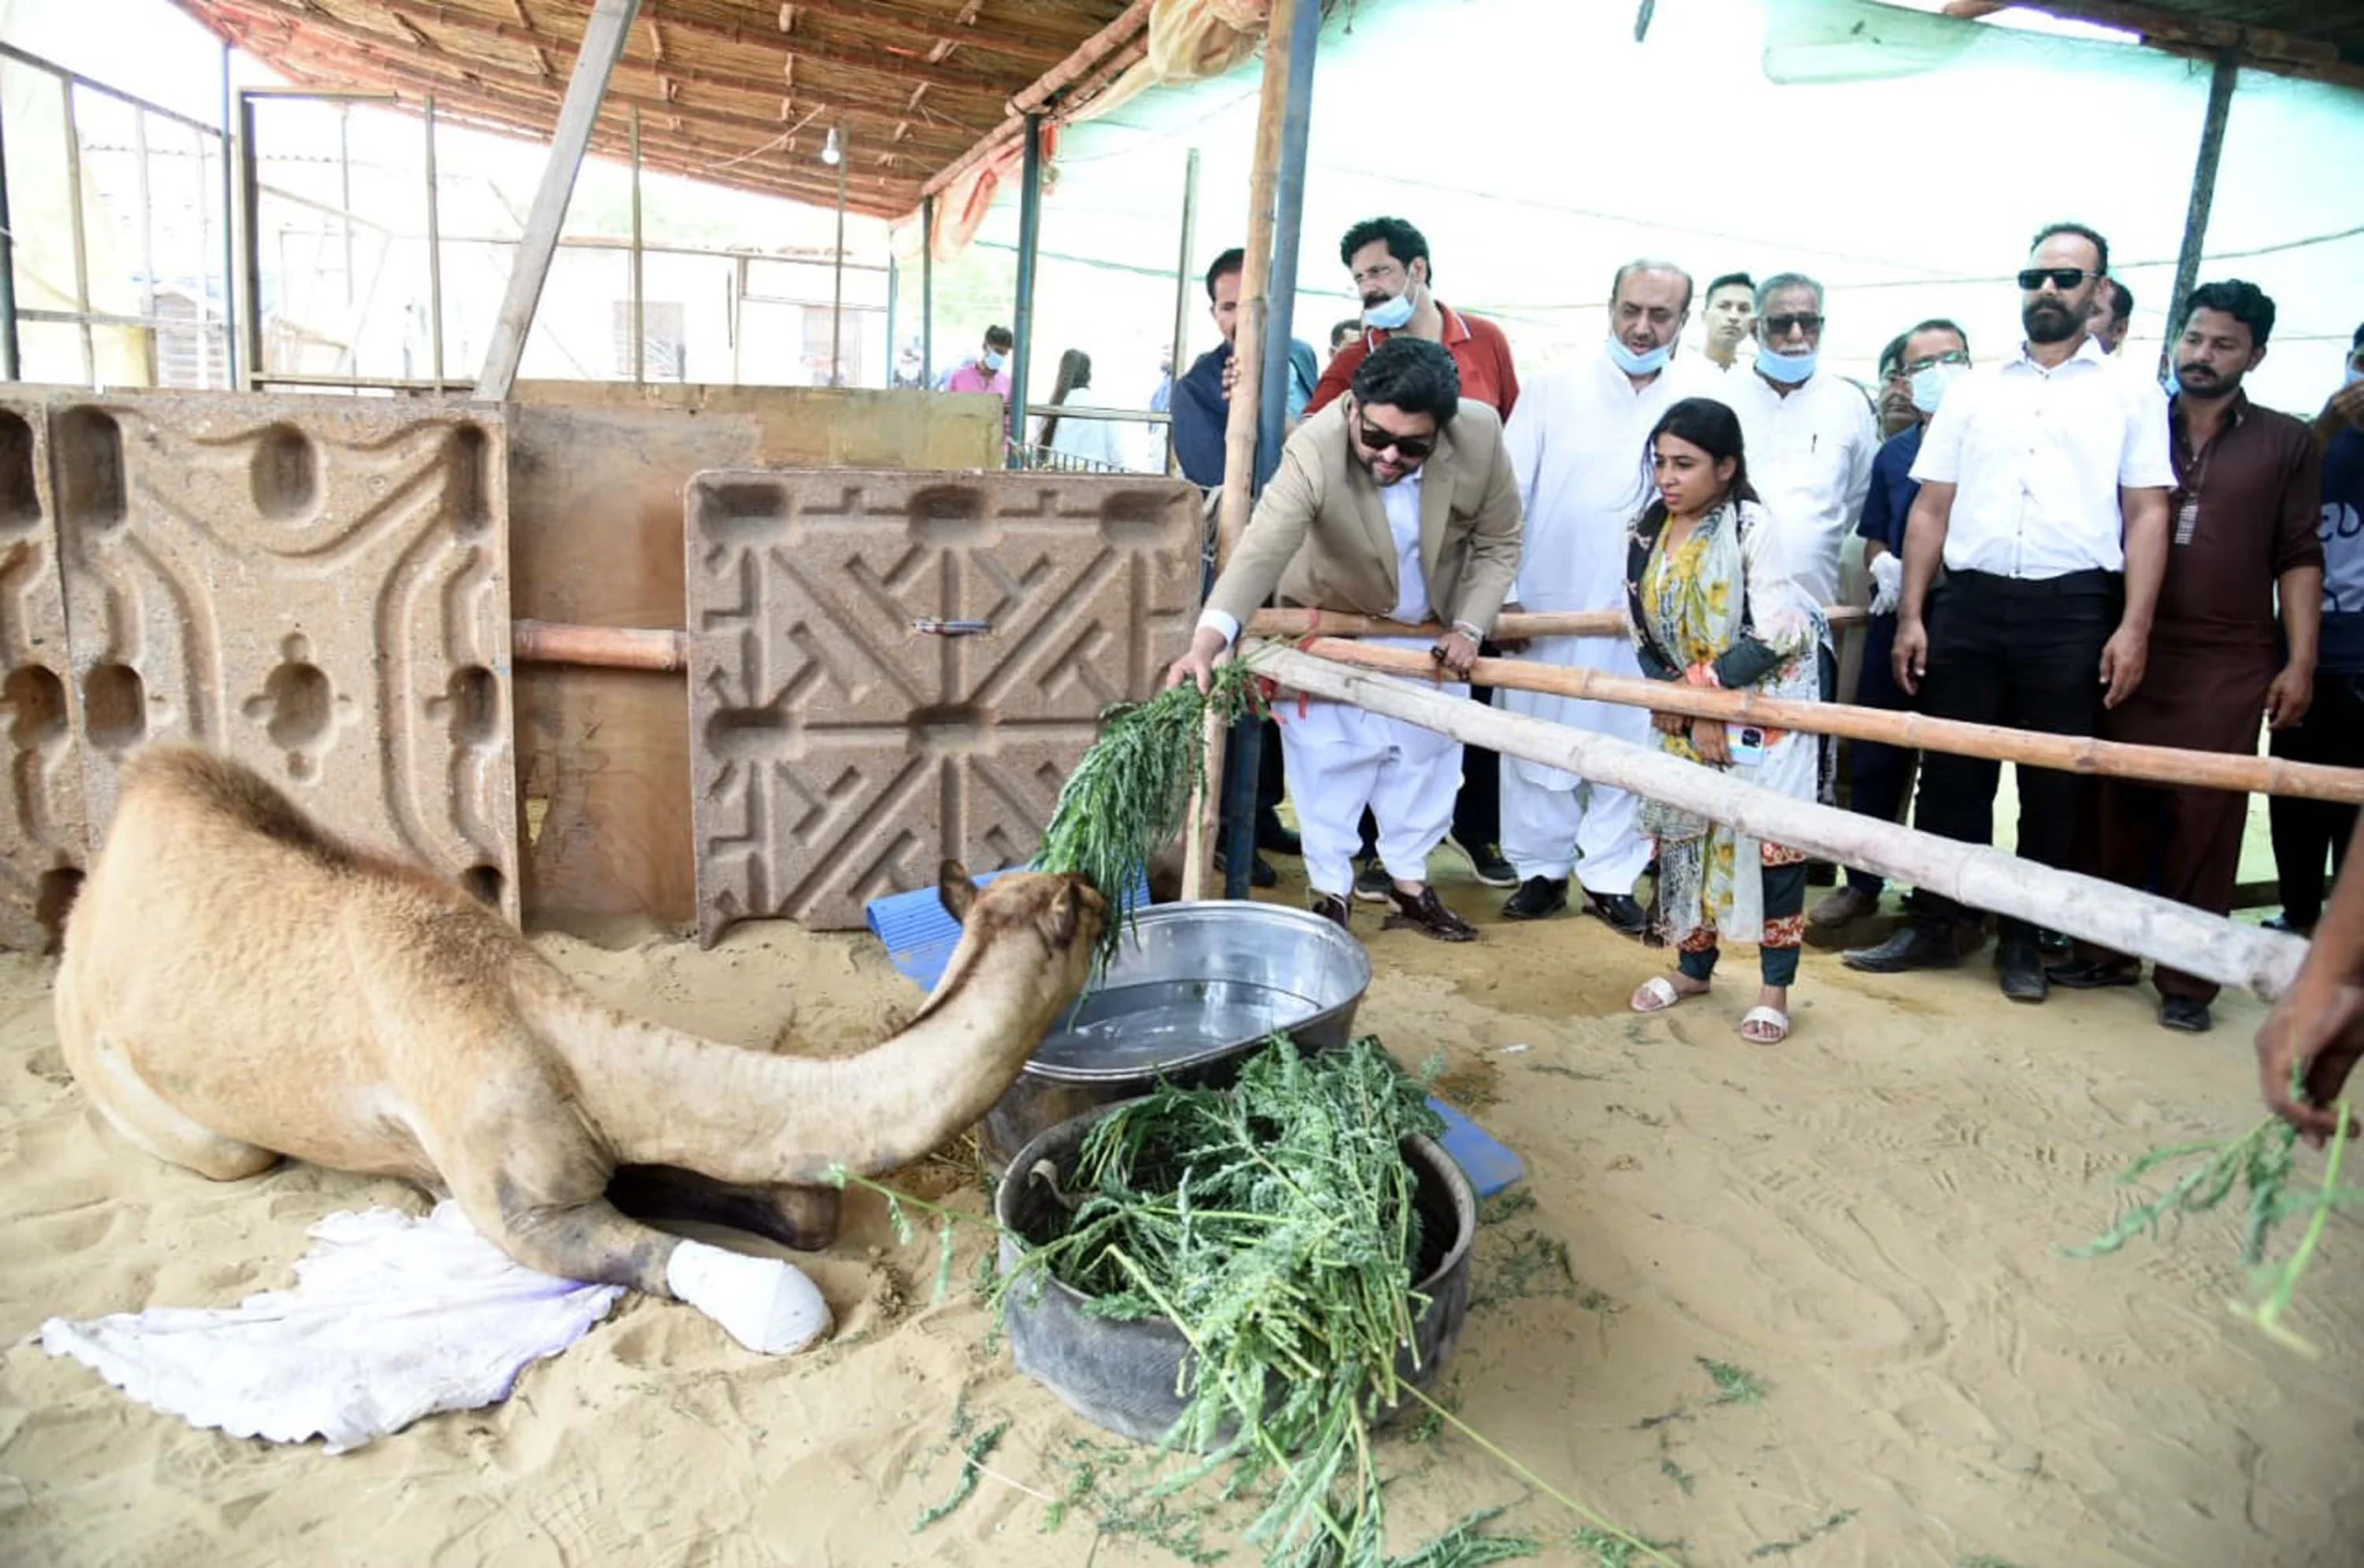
1888,583
769,1306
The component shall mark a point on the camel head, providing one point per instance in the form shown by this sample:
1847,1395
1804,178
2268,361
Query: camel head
1035,929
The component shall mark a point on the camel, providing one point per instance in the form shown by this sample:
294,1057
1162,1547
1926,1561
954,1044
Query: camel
240,985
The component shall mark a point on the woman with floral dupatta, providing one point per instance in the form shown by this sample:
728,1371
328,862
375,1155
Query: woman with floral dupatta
1713,605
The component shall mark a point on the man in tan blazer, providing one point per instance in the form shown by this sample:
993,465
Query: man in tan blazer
1395,501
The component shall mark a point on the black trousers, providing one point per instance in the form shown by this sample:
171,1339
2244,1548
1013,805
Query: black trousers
2021,653
1877,774
2306,833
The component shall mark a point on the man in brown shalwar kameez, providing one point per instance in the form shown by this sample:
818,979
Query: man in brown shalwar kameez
2243,519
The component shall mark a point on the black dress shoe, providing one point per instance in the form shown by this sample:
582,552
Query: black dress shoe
1426,914
1333,907
2186,1013
2086,974
1914,946
2019,967
1536,897
1623,911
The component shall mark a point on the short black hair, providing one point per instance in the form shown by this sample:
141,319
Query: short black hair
1411,374
2091,236
1892,356
2243,300
1345,329
1404,242
1730,279
2121,302
999,337
1934,324
1230,261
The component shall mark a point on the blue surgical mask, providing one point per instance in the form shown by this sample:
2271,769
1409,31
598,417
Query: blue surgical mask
1929,384
2173,385
994,359
1634,364
1391,315
1787,369
2354,374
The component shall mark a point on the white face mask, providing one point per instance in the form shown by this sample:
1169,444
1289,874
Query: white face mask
1393,314
1929,384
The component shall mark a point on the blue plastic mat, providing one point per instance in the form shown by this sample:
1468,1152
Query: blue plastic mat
920,935
1489,1166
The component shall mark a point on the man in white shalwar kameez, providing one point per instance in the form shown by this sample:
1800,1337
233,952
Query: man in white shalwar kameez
1395,501
1576,446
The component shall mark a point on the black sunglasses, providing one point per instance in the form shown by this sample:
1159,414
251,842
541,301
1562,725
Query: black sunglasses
1413,448
1781,326
2062,278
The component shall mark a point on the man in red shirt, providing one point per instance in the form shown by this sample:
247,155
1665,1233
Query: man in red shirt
1388,260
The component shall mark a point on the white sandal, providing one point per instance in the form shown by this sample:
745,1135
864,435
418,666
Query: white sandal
1658,994
1771,1018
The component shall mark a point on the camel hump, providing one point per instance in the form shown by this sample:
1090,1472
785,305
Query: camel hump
185,778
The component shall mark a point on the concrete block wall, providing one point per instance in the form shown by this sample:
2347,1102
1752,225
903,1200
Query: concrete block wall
317,586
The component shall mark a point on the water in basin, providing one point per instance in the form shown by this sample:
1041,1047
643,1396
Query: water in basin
1140,1028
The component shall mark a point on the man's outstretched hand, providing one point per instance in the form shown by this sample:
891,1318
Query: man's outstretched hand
1198,663
2328,1039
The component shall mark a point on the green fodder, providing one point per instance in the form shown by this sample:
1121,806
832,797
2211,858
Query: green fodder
1131,792
2263,1160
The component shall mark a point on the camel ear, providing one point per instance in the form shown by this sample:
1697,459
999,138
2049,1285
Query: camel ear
954,887
1060,924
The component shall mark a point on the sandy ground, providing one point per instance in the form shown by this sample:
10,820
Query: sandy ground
1863,1219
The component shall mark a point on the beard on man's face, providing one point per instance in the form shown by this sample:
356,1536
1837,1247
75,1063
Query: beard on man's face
2050,320
2202,380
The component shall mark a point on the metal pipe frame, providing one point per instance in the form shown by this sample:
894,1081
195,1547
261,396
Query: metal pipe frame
434,247
81,247
639,288
927,291
838,266
232,360
1184,273
76,78
1029,238
10,366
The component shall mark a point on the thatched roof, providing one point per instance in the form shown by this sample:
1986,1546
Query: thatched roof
2319,39
741,93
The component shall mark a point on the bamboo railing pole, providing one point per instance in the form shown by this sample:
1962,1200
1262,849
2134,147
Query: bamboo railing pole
599,647
2070,754
1980,877
1511,625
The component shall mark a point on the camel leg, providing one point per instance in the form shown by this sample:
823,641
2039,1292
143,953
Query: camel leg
539,1195
804,1218
137,1111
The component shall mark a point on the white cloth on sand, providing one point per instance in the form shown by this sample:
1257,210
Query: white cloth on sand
390,1319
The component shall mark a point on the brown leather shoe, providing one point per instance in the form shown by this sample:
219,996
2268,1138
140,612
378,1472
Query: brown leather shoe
1426,914
1333,907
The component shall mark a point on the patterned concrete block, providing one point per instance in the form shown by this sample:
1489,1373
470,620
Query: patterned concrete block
840,750
43,839
317,586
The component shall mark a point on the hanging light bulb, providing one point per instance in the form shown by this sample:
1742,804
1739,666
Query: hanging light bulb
830,153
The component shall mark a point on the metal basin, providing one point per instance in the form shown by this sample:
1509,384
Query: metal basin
1195,988
1124,1375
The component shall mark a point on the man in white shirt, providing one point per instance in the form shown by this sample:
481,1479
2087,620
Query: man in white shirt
1395,501
1575,444
1810,437
2111,314
2043,493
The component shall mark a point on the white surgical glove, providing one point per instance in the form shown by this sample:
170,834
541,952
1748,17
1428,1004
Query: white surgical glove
1888,583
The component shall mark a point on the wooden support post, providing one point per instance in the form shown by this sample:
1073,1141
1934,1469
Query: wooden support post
603,46
2070,754
1980,877
639,281
2204,195
1248,354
